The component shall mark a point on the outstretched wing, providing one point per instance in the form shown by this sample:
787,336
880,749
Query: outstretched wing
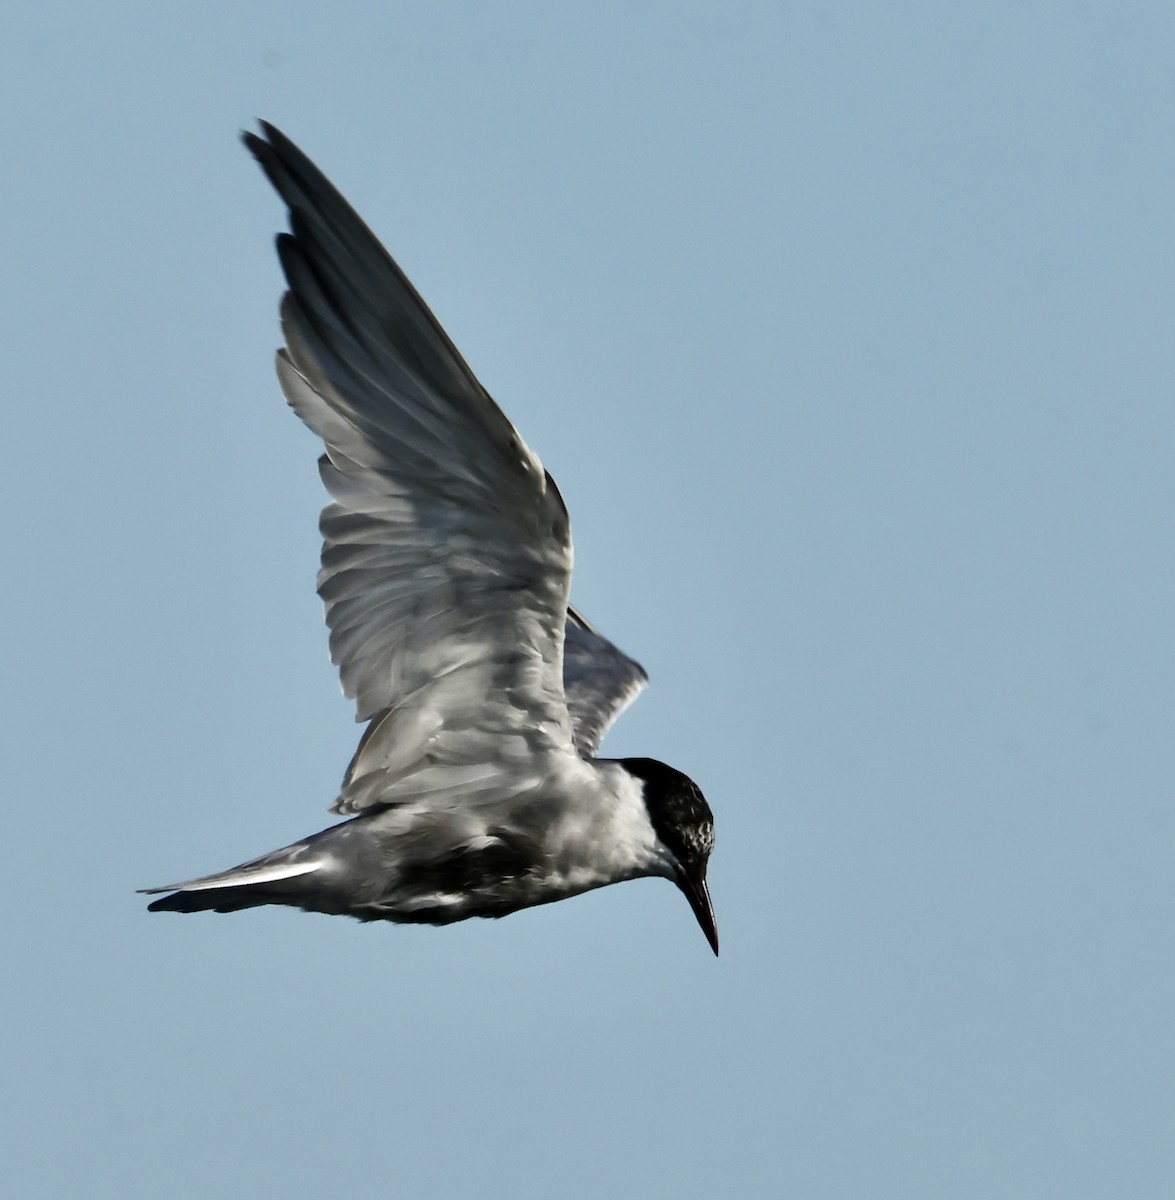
446,554
599,680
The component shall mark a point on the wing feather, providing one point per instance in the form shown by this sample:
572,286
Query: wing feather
600,682
447,550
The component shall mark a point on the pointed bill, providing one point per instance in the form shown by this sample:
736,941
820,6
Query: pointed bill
698,895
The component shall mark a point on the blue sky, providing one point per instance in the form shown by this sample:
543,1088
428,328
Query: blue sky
846,332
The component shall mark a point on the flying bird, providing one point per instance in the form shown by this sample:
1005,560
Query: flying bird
476,789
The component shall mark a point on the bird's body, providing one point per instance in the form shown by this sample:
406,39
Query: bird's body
556,832
446,566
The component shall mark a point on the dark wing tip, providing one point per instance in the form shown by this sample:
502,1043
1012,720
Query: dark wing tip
270,135
259,145
281,159
269,151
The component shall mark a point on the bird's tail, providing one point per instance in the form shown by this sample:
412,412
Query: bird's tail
266,880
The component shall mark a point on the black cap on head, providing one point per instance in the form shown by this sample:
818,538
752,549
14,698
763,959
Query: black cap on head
683,821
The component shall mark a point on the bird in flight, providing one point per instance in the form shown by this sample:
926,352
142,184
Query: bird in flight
476,789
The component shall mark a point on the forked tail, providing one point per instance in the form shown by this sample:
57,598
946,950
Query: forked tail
267,880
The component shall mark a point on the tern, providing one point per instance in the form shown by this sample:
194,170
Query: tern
476,789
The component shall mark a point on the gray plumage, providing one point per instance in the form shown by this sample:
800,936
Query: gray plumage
599,682
446,564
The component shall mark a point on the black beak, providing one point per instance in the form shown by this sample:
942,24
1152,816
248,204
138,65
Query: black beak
698,896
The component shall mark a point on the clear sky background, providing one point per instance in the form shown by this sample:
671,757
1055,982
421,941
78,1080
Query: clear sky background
846,330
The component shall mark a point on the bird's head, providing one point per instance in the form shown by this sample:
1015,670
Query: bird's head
684,824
